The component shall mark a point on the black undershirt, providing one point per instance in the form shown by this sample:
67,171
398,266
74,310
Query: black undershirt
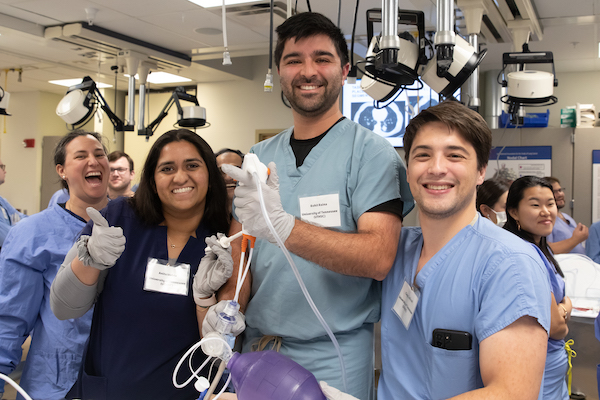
302,148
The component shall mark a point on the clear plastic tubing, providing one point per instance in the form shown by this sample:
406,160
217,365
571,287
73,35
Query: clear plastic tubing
299,279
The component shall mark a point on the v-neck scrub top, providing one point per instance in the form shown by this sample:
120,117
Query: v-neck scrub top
481,281
365,171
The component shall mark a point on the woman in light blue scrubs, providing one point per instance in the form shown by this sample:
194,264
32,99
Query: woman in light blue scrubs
531,213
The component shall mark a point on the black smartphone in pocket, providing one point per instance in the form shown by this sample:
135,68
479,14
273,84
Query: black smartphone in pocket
451,340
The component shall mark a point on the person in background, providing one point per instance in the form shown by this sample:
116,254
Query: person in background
567,235
59,197
121,175
141,327
29,261
325,165
465,307
231,157
532,210
491,200
592,244
10,216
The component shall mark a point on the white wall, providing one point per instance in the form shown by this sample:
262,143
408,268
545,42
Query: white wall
33,117
573,88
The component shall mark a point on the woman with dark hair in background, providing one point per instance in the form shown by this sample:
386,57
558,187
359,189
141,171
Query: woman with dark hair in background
491,200
29,261
146,315
531,213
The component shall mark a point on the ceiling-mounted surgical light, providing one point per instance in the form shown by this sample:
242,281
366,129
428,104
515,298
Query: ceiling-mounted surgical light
527,87
391,67
187,117
80,104
465,60
4,98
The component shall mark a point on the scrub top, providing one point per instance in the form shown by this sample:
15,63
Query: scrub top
563,231
9,216
481,281
140,333
351,170
29,260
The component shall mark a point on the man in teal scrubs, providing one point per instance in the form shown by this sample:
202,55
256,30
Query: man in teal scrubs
336,195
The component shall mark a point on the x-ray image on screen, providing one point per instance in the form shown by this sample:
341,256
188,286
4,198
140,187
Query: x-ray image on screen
389,122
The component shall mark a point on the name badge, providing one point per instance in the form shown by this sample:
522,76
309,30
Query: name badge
164,278
406,304
321,210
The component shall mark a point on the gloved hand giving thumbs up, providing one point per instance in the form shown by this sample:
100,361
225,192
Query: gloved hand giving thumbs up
102,249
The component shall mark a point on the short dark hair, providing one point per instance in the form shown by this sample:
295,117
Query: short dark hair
60,151
146,202
227,150
515,195
456,116
115,155
309,24
552,180
489,192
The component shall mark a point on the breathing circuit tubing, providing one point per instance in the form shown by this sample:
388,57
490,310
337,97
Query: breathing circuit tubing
241,277
299,279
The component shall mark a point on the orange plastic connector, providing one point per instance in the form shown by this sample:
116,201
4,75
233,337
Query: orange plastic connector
252,240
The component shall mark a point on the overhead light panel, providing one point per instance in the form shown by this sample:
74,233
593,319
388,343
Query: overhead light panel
219,3
163,77
73,82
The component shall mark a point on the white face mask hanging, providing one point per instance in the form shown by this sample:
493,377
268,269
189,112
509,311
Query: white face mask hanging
500,217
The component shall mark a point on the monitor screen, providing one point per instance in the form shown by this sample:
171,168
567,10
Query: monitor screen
389,122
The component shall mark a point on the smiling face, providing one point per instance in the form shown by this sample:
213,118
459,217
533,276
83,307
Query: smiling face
85,169
442,173
181,178
231,159
559,195
311,75
120,174
536,212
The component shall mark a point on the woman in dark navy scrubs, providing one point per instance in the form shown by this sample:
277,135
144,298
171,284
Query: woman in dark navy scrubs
145,317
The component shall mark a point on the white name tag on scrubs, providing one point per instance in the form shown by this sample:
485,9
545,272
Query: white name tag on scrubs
321,210
406,304
164,278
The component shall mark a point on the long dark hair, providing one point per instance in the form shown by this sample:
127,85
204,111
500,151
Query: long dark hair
489,192
515,195
146,202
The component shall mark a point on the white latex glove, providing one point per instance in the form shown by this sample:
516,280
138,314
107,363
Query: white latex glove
212,316
247,205
103,248
214,269
333,394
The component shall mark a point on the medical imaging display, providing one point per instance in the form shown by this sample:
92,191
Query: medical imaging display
389,122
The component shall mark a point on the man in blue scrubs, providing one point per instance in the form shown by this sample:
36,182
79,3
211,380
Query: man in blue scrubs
9,216
336,195
567,235
465,309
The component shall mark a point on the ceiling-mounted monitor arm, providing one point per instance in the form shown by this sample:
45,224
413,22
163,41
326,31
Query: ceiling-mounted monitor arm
178,94
116,121
88,84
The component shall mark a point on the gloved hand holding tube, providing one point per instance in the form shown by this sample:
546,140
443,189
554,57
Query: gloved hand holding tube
214,270
247,204
103,248
211,321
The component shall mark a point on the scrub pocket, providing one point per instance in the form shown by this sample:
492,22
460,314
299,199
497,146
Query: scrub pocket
93,387
452,372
